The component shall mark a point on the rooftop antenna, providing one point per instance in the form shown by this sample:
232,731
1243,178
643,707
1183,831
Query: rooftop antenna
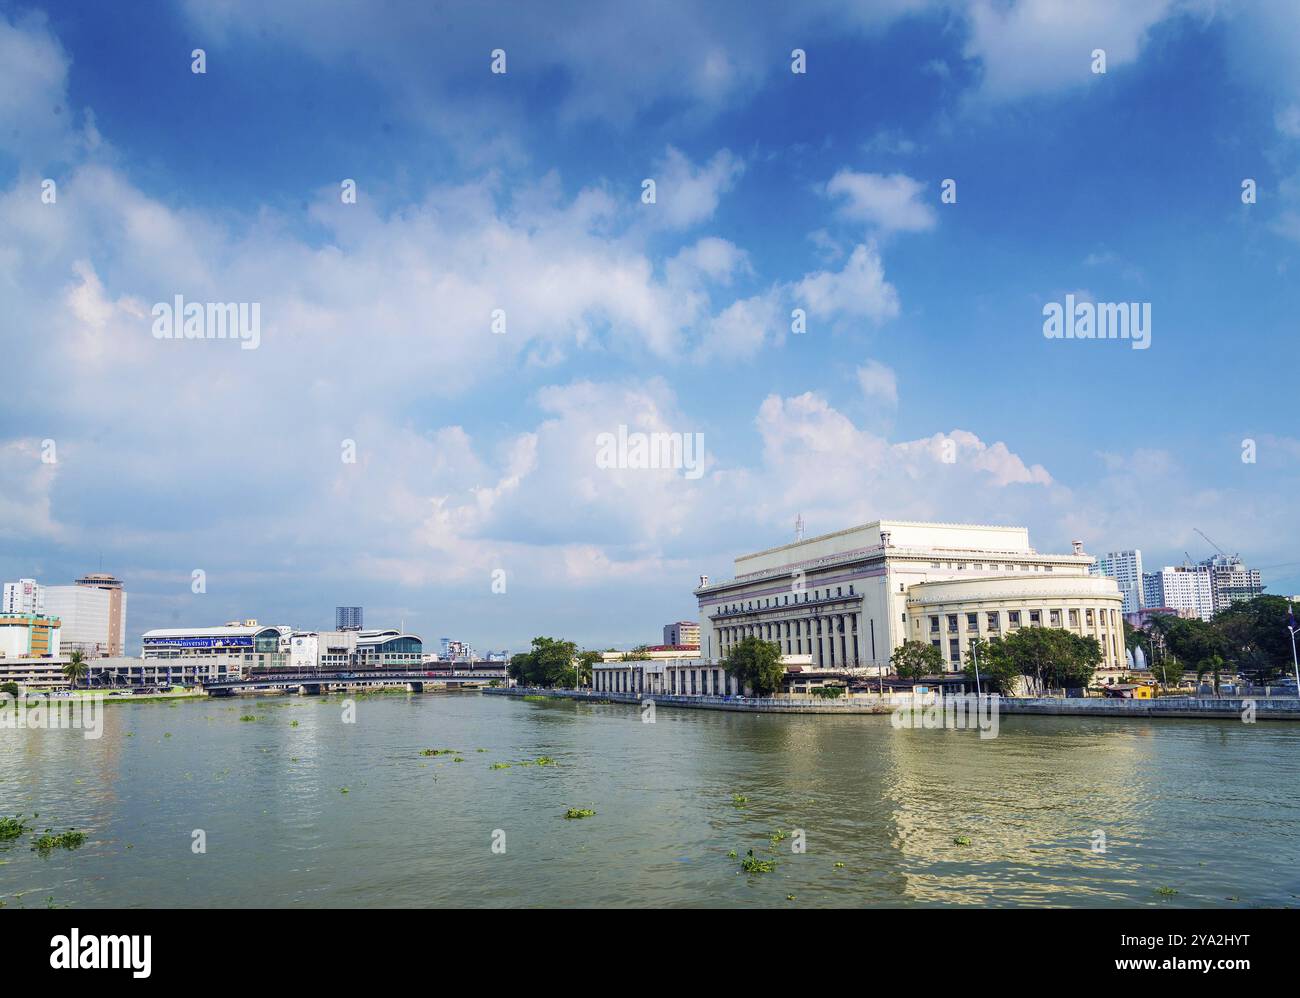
798,528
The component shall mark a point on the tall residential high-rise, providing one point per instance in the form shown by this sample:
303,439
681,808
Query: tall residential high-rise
347,618
93,612
25,596
1182,587
1231,581
1125,567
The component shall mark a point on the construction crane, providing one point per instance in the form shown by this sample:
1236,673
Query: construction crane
1212,544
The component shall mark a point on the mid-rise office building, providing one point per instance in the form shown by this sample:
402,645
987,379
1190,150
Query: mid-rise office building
93,612
1180,587
1125,567
29,635
683,632
24,596
348,618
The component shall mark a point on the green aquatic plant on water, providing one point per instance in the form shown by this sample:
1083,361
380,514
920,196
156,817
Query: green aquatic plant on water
579,812
545,760
739,800
778,836
50,840
440,751
961,840
499,765
248,717
1166,891
12,828
752,864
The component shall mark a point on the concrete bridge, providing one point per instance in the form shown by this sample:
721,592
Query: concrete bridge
316,682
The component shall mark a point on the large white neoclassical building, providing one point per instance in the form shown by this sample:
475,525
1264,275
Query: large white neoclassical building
846,600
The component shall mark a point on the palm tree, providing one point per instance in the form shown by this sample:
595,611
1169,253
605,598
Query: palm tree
76,668
1213,665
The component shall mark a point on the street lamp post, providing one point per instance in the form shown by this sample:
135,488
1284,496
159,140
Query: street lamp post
1293,630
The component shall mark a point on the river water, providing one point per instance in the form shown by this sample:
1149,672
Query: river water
1207,808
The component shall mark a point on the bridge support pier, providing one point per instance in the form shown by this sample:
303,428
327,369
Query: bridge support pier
309,689
415,687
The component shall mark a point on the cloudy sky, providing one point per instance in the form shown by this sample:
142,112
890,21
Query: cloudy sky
775,191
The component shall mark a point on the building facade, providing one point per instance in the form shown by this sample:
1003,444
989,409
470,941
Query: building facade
849,598
24,596
1231,581
1180,587
348,618
1125,567
327,650
236,648
683,632
93,612
388,649
29,636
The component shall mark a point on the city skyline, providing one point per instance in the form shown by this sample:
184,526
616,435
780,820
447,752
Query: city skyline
475,450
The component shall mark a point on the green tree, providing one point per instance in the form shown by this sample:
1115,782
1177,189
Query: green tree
76,669
1255,639
1053,657
915,659
11,689
756,664
1213,664
997,670
550,662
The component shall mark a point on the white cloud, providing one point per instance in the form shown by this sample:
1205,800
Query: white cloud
859,290
1033,47
889,203
685,194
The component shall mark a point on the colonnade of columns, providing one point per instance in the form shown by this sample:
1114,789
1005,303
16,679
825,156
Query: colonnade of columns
833,639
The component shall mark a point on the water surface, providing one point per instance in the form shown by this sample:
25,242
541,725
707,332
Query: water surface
1208,808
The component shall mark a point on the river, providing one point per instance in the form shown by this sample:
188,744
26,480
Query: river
297,807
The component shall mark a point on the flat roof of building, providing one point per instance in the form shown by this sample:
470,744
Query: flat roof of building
210,632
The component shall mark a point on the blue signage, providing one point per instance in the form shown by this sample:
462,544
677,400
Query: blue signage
225,641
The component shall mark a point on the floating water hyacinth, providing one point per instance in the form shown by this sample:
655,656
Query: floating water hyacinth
579,812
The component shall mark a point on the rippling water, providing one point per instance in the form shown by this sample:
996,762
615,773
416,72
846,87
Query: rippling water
1208,808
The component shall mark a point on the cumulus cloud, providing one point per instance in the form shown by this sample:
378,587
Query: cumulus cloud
1041,46
891,203
857,290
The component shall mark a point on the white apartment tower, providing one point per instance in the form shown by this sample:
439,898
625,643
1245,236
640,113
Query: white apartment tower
1125,567
25,596
1183,587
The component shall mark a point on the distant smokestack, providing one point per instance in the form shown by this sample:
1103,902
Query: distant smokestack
1078,546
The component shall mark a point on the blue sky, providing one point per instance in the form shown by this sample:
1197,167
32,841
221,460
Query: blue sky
521,191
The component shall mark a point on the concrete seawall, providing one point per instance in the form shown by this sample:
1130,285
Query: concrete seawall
1266,709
